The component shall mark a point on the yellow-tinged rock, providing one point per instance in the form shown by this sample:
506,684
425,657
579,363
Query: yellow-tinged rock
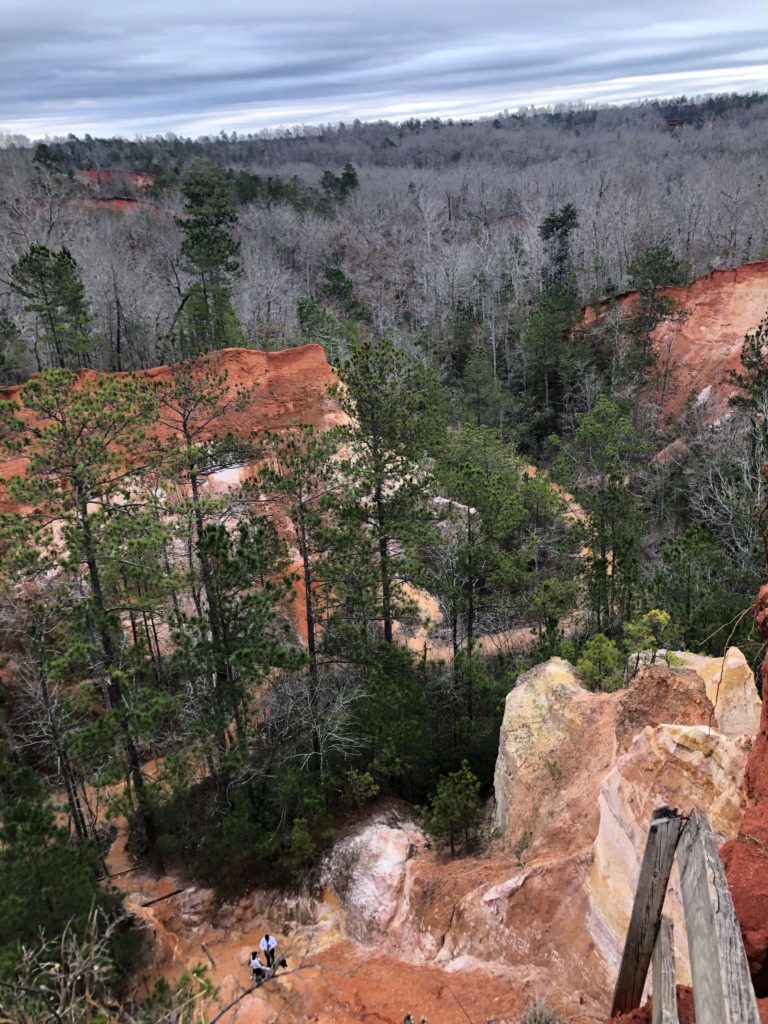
545,709
678,766
730,685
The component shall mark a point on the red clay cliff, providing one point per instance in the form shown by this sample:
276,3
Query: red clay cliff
701,351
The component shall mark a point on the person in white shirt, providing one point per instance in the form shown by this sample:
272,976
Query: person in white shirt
258,970
268,945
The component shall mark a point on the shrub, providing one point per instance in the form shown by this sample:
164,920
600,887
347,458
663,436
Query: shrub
455,808
360,788
540,1012
600,664
649,632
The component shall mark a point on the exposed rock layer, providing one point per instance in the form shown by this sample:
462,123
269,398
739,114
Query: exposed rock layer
746,858
677,766
553,898
401,929
700,352
730,686
290,389
660,694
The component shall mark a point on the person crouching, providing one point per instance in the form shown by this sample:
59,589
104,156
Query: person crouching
258,969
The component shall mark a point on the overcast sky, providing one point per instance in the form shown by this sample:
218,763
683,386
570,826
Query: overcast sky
145,66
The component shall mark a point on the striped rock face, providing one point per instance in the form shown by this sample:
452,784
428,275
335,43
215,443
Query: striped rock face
699,352
677,766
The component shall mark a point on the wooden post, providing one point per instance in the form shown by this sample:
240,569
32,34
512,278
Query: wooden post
722,986
664,983
646,911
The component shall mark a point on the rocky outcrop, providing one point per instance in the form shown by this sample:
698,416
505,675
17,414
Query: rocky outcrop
577,779
730,686
746,866
678,766
700,352
746,858
543,762
588,814
660,694
194,906
367,873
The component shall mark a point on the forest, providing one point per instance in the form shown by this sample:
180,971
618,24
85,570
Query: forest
225,674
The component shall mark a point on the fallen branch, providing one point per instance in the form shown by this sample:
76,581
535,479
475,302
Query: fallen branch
158,899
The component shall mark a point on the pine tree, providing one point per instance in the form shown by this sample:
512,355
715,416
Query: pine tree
600,462
82,459
397,409
651,274
546,355
479,551
11,350
49,882
246,578
206,319
302,485
600,664
483,400
51,284
196,406
455,807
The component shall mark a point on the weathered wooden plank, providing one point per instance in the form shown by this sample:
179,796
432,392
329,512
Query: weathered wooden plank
646,911
722,987
664,981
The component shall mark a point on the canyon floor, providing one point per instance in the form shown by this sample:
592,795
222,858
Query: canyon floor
394,926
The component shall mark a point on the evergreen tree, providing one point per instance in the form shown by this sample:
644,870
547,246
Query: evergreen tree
321,326
11,350
483,400
50,283
479,553
752,379
545,364
651,274
599,462
46,717
206,319
398,412
246,566
49,881
555,231
81,462
648,633
600,663
696,584
455,807
196,406
302,485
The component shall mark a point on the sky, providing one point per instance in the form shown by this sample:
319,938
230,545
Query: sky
143,67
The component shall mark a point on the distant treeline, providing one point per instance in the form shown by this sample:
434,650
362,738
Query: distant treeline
382,143
427,232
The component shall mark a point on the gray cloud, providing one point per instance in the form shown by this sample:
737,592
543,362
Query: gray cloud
181,65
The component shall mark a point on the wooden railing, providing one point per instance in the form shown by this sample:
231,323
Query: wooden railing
722,986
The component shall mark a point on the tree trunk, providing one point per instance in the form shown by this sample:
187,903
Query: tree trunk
114,688
301,532
384,566
220,679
